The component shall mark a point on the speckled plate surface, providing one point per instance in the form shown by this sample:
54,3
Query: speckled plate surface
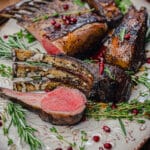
137,134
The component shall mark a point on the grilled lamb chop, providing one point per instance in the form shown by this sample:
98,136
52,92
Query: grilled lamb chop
62,106
72,31
107,9
46,78
125,47
112,85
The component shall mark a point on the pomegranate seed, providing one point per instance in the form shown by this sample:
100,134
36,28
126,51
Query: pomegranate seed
73,20
70,148
135,111
148,60
63,18
5,36
113,106
107,146
57,25
101,148
67,22
65,7
58,149
106,129
1,123
127,36
68,17
96,138
53,22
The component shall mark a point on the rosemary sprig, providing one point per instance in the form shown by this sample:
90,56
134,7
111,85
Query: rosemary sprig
56,14
5,71
26,132
60,137
143,79
6,129
123,110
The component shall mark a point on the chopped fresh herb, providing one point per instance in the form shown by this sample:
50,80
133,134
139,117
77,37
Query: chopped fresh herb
143,79
72,144
122,126
129,72
79,2
108,72
89,61
25,34
55,15
141,121
123,5
122,34
5,71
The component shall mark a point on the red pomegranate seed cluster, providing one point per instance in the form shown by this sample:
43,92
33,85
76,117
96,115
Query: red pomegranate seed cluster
5,36
69,20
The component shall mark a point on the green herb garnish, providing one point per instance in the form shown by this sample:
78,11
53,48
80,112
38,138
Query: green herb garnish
122,34
108,72
123,5
5,71
72,144
26,132
143,79
122,126
79,2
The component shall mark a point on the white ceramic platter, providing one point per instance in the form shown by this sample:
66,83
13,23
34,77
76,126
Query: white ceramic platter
137,134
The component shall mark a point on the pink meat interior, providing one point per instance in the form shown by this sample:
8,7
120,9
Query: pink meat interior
63,99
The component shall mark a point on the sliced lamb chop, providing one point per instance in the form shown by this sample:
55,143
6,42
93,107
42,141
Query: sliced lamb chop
62,106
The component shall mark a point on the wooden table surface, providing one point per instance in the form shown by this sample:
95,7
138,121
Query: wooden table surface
4,3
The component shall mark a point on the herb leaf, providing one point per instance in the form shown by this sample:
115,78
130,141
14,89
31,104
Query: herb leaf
5,71
122,34
79,2
123,5
122,126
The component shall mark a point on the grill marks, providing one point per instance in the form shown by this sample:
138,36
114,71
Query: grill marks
61,70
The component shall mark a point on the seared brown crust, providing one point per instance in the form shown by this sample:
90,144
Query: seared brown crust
70,39
112,86
57,119
107,9
65,63
55,77
129,53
